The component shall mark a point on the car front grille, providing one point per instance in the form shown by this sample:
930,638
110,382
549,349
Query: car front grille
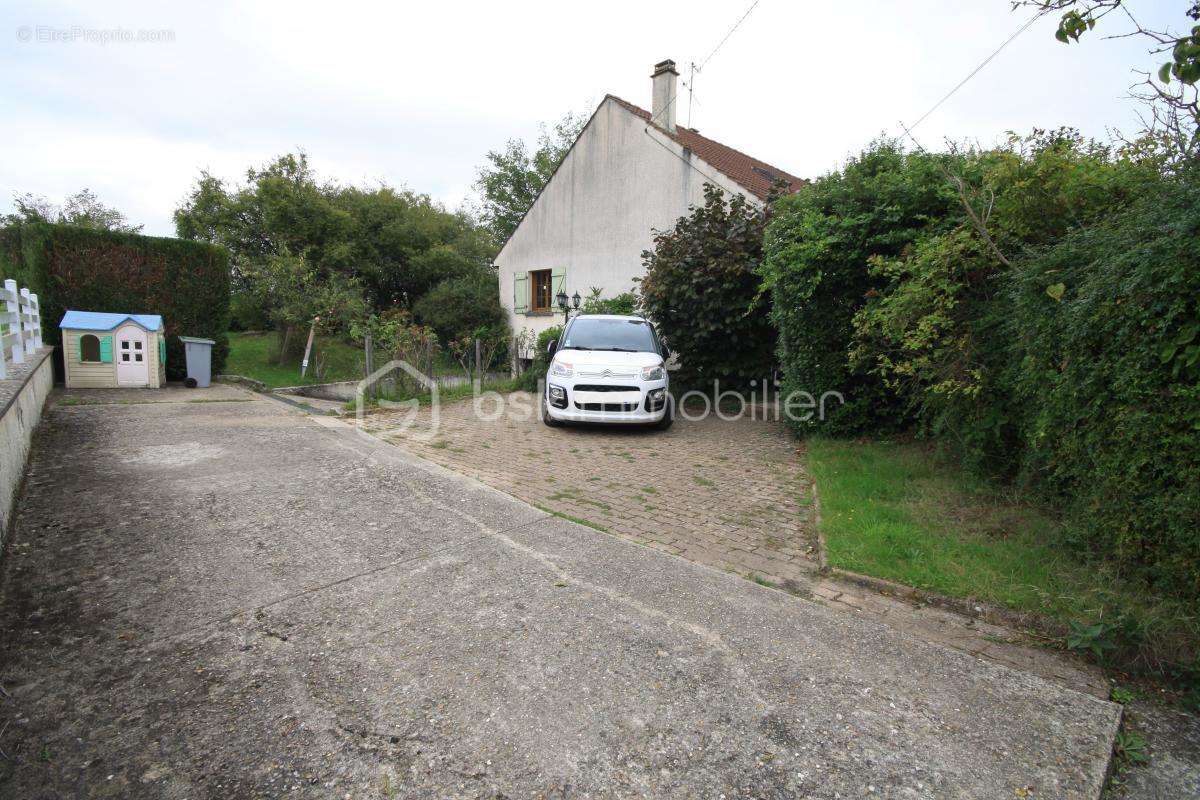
599,387
609,407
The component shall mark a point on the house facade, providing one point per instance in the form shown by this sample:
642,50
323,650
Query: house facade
629,172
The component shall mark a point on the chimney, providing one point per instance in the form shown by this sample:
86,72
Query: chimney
662,106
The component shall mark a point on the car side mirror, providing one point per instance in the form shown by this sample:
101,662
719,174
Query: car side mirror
551,347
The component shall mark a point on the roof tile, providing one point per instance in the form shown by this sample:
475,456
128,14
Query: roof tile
757,177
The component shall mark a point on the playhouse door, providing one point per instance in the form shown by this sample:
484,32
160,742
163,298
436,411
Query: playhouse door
133,365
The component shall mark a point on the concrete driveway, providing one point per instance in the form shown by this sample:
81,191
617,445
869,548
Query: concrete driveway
231,599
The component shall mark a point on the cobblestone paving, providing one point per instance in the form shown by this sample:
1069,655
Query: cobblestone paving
729,494
733,495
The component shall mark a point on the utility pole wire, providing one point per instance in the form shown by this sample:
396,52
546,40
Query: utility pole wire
976,71
980,223
694,68
731,30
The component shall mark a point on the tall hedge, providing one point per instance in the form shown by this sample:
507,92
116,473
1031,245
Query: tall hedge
1107,381
1060,351
95,270
818,251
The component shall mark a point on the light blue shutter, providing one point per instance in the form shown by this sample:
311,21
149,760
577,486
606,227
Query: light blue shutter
558,278
162,350
521,292
106,349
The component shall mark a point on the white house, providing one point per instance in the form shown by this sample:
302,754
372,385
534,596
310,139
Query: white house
628,173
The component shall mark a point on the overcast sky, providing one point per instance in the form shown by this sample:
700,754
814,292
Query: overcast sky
414,94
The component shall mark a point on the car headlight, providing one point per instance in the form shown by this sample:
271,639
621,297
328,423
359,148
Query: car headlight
655,373
562,369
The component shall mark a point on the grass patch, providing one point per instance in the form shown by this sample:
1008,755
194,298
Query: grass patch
577,520
572,494
705,482
761,581
896,511
256,355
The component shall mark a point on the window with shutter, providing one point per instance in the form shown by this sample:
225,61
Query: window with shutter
543,291
89,349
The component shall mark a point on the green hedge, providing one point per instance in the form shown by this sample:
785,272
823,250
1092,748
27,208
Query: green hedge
94,270
1106,380
1061,351
818,251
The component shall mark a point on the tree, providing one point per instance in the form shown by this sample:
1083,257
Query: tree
462,306
1172,93
296,294
512,178
394,245
702,290
82,208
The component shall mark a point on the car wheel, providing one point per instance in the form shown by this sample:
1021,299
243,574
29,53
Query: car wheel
667,420
550,421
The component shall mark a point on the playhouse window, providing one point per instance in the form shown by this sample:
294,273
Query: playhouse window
89,348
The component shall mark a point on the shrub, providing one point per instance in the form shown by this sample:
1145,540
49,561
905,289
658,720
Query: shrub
247,313
462,305
1061,350
701,290
97,270
1104,366
624,304
541,361
932,326
396,337
818,249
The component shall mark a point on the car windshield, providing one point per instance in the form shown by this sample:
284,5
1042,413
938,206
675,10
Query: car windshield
621,335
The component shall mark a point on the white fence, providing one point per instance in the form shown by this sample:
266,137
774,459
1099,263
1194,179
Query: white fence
20,325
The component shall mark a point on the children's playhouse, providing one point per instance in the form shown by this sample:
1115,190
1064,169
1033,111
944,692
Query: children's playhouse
105,351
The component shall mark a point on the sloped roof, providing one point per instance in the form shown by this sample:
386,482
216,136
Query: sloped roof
756,177
101,321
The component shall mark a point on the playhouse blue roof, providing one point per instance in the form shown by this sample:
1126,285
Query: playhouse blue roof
101,321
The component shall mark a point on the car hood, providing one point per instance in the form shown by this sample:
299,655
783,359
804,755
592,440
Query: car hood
607,358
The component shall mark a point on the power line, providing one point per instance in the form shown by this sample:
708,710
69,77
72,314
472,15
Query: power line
731,30
975,71
695,69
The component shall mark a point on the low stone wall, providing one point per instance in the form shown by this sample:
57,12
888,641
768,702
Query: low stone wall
22,396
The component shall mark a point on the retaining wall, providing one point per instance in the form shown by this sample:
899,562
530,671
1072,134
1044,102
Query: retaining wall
22,396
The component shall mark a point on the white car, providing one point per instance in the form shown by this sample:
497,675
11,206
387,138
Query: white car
608,368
